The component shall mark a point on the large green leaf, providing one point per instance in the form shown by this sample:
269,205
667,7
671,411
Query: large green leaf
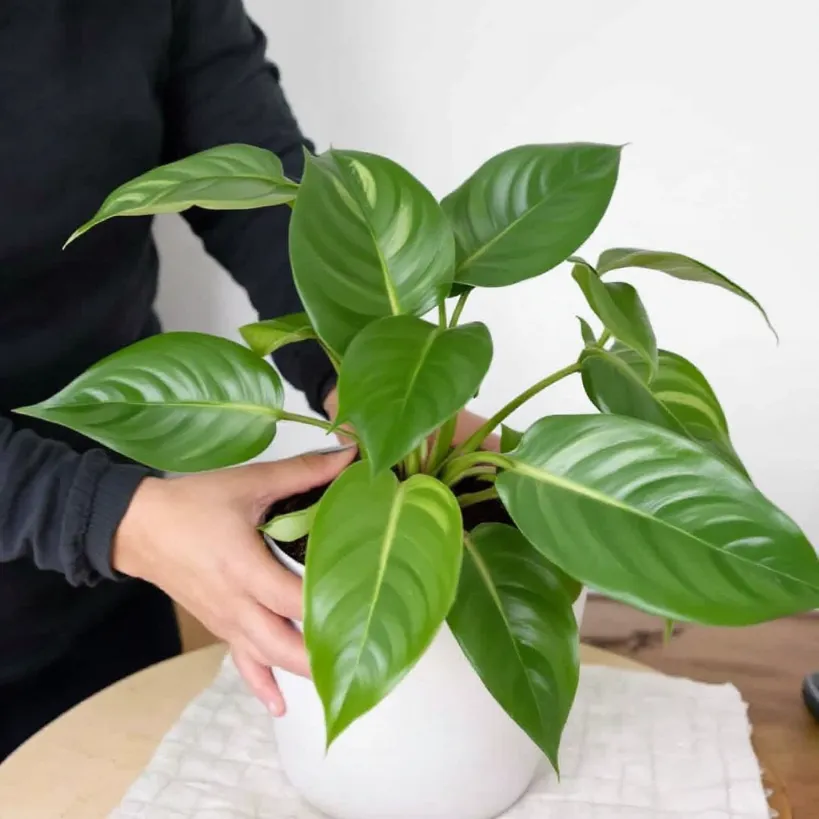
182,402
678,397
265,337
654,520
619,307
367,240
676,265
230,177
403,377
526,210
383,560
292,525
514,621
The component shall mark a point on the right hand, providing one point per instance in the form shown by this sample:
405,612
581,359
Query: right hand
195,538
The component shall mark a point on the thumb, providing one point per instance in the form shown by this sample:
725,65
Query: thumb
269,482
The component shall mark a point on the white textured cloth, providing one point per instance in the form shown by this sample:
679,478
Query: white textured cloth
637,746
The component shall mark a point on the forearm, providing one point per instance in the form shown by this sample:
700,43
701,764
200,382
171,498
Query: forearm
58,508
222,90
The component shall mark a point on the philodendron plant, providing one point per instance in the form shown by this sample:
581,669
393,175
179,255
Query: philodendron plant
647,501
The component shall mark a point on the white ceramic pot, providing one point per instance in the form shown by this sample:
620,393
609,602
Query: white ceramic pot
437,747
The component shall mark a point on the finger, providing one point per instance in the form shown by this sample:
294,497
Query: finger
259,679
275,640
275,587
269,482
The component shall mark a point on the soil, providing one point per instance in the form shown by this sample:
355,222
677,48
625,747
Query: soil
491,511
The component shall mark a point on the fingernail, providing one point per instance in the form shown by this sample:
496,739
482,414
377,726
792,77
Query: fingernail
334,450
275,708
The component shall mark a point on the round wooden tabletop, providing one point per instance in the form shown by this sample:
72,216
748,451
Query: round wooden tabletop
81,765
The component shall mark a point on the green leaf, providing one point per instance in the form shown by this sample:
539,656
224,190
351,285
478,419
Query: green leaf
656,521
676,265
367,240
292,526
586,331
526,210
230,177
181,402
515,624
678,397
620,309
510,438
265,337
403,377
383,560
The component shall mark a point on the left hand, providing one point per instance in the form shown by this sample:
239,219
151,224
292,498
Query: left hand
468,422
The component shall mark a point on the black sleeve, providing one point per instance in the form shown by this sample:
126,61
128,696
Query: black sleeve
221,90
59,508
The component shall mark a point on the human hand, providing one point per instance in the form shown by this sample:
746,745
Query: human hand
467,423
195,538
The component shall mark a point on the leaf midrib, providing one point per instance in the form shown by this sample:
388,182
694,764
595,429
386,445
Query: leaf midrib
542,476
513,224
387,542
486,576
254,409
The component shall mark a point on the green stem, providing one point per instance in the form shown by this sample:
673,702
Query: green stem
442,314
477,497
483,473
604,337
332,356
283,415
412,463
459,308
483,432
443,442
455,469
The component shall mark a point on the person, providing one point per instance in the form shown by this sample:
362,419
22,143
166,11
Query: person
94,549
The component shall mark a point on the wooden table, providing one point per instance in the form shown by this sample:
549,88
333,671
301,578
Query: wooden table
766,663
80,766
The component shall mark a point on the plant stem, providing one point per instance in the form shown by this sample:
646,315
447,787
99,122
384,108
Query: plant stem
455,469
412,463
482,473
477,497
283,415
604,337
440,449
442,314
483,432
459,308
332,356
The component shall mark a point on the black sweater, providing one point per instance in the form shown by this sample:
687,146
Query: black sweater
93,93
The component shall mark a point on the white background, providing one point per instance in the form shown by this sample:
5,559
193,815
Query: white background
717,102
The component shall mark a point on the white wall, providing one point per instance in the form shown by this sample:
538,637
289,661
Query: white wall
716,101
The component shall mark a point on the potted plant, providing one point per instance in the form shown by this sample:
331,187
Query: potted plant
440,581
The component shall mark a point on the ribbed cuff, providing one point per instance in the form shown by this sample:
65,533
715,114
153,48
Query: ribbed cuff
111,499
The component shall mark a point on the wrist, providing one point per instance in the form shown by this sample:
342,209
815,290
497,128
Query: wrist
131,546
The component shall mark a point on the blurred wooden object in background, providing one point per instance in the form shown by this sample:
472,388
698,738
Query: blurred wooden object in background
194,634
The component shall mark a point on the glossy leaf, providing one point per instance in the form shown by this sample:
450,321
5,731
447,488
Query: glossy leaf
619,307
181,402
676,265
383,560
586,332
678,397
515,624
526,210
291,526
509,438
403,377
654,520
265,337
229,177
367,240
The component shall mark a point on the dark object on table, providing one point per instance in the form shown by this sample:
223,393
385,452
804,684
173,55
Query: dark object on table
810,691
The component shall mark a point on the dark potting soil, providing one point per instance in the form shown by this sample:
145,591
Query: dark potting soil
491,511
